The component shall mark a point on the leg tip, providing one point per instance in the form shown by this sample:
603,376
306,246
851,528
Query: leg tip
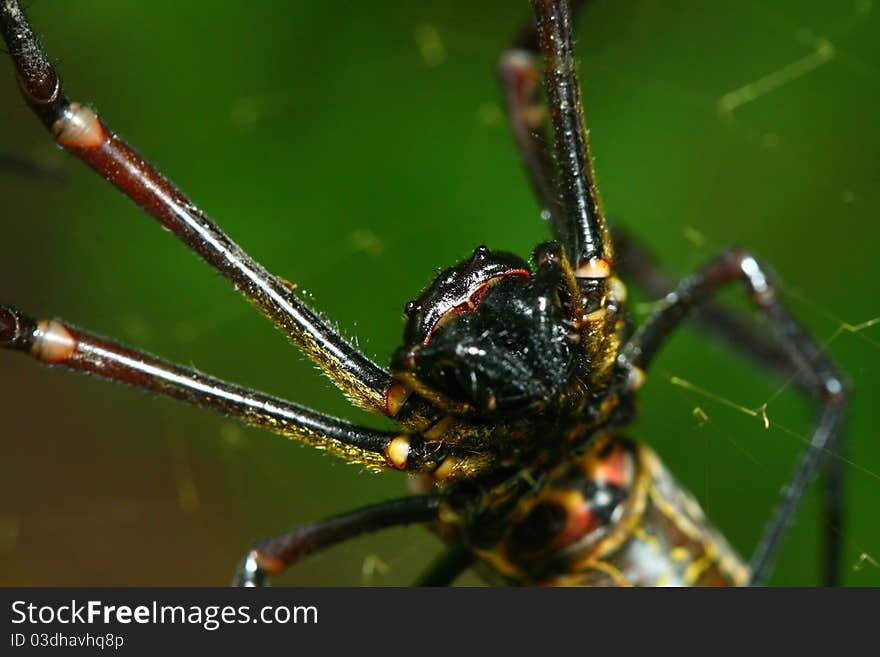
250,574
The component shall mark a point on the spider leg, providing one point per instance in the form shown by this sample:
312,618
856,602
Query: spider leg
582,224
521,85
563,180
56,343
272,555
634,261
819,376
447,567
80,131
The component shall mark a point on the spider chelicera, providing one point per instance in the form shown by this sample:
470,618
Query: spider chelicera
514,381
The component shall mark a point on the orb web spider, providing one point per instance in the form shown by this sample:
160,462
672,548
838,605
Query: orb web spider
514,381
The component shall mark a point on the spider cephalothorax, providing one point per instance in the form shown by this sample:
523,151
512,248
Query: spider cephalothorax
488,336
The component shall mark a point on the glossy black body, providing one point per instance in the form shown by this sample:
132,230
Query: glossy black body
491,336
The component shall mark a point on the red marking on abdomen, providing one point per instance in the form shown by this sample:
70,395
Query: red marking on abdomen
615,469
581,521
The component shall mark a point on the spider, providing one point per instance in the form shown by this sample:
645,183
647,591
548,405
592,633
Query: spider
514,381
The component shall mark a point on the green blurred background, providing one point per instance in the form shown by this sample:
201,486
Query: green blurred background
354,148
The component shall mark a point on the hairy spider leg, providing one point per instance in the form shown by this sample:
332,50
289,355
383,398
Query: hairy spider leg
820,376
520,80
54,342
521,85
79,130
590,246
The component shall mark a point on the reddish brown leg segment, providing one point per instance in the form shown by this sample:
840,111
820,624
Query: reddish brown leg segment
54,342
79,130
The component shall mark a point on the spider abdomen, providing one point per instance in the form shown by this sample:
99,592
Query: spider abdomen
613,516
